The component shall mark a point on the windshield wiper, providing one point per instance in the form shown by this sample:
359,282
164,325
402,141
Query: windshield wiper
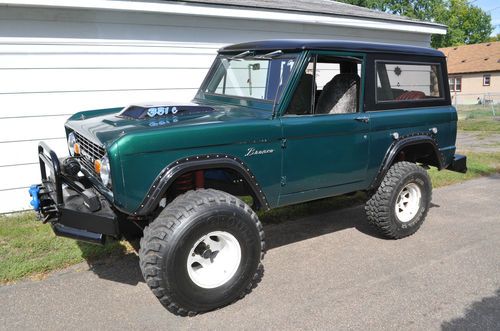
270,55
241,55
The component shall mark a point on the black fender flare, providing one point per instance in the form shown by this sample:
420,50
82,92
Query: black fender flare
208,161
398,145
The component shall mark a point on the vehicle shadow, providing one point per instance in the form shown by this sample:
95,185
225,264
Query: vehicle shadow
481,315
121,264
281,230
295,230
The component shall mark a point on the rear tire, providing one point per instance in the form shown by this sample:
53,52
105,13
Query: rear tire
399,206
202,252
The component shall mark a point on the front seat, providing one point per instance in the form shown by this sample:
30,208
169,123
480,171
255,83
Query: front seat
340,95
302,98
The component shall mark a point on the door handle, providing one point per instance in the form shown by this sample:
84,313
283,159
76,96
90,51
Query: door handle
364,119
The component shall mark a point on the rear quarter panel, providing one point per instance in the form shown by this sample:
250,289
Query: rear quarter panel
410,121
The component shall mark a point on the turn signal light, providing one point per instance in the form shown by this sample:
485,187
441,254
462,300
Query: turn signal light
97,166
76,148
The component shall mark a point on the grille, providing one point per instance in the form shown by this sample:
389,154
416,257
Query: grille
89,153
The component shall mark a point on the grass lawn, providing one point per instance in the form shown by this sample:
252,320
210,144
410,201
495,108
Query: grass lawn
478,164
478,118
480,124
30,249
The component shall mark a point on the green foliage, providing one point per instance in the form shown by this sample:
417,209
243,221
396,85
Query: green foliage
494,38
373,4
467,24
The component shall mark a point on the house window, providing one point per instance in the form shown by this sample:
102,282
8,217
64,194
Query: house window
455,84
486,80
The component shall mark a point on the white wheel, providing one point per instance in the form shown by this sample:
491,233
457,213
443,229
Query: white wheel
214,259
401,202
408,202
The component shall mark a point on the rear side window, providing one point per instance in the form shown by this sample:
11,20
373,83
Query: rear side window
408,82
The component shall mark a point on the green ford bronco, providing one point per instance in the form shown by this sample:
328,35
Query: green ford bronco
274,123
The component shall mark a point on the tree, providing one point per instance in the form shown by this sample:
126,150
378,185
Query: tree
467,24
494,38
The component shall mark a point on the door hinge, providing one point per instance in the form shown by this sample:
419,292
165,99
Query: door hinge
283,143
283,180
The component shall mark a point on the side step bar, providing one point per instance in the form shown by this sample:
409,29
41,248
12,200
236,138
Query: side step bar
82,235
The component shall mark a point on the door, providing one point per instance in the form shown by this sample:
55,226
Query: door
326,136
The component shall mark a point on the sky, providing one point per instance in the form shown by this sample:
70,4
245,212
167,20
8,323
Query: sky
493,8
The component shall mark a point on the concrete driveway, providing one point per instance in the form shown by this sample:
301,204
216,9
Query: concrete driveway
330,271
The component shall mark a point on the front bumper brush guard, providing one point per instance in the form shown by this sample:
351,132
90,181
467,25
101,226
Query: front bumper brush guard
74,210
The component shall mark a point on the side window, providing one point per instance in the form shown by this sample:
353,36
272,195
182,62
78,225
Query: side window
328,85
401,82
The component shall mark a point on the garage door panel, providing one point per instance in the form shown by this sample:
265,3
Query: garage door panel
15,129
27,151
14,200
81,46
43,61
61,80
19,176
43,104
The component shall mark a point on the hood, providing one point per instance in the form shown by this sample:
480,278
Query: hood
105,126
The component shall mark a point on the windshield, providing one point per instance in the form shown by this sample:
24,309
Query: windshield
249,77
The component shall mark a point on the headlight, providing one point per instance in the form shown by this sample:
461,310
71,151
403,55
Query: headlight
72,145
102,168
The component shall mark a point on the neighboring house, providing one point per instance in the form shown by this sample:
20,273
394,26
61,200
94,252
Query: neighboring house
58,57
474,72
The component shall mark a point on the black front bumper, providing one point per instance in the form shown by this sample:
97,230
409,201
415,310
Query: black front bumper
71,205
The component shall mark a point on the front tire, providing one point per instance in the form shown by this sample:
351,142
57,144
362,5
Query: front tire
399,206
202,252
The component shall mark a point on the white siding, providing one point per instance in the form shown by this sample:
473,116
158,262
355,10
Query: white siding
56,62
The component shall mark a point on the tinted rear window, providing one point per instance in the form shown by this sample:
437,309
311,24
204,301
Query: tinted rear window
403,82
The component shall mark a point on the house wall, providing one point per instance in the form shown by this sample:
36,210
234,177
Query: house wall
472,88
54,62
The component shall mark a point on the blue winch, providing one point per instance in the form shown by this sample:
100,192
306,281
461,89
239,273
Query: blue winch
34,192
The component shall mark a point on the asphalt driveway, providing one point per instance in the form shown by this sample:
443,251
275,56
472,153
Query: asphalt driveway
330,271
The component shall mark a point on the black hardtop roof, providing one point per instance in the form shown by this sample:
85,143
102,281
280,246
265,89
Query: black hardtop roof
334,45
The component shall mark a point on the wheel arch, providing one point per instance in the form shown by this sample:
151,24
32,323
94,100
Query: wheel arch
421,147
174,170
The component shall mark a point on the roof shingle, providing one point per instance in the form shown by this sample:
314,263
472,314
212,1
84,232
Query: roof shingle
322,7
463,59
